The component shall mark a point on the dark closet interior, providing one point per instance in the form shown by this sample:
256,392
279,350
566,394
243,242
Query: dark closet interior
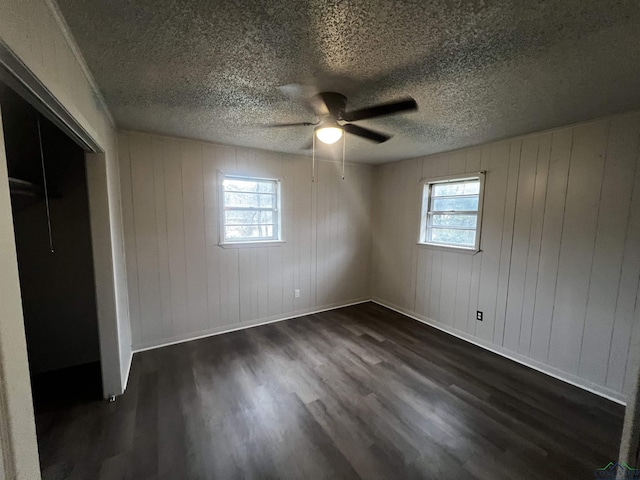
58,289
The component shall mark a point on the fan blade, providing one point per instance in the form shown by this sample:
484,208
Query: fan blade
307,95
366,133
381,110
298,124
319,106
334,103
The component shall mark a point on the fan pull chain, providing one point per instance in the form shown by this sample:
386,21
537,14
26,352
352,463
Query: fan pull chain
344,150
46,191
313,158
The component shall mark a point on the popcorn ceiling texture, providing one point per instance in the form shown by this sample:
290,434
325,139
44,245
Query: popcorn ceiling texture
479,70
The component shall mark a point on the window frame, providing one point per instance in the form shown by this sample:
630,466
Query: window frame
425,210
222,208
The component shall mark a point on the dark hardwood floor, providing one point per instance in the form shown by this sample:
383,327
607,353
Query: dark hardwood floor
360,392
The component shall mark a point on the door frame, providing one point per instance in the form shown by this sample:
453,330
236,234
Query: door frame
18,442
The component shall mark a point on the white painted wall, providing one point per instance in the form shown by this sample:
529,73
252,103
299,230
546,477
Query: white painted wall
35,31
182,284
558,273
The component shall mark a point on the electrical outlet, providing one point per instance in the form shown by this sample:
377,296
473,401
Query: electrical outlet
479,315
296,293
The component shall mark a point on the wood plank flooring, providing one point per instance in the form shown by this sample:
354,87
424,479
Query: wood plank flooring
359,392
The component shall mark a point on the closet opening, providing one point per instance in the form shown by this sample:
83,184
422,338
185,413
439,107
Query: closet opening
50,207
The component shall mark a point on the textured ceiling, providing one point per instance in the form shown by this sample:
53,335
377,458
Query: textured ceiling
480,69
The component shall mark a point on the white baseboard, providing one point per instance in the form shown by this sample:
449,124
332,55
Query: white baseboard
516,357
241,326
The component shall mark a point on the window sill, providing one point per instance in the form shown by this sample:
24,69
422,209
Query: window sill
447,248
267,243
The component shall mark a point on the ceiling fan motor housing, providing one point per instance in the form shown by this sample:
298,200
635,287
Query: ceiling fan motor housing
336,104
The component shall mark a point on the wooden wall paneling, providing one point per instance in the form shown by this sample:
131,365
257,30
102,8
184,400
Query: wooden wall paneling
521,241
210,169
561,143
289,218
627,307
328,225
350,197
314,236
325,231
391,274
492,218
411,212
449,280
335,282
376,225
578,236
331,224
506,242
381,240
552,268
463,292
299,218
322,197
535,241
128,222
387,245
144,214
306,191
263,279
626,298
422,280
352,224
175,232
161,233
274,267
389,248
366,229
611,231
347,214
194,234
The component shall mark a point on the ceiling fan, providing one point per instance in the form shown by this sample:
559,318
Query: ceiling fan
334,120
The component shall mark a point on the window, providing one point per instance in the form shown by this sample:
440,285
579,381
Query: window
250,210
451,212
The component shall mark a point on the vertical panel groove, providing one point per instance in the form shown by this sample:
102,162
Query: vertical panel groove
555,289
513,228
595,241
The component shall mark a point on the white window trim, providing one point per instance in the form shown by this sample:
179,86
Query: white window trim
278,241
424,199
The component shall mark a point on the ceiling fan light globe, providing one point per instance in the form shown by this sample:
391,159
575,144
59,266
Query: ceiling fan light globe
329,135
